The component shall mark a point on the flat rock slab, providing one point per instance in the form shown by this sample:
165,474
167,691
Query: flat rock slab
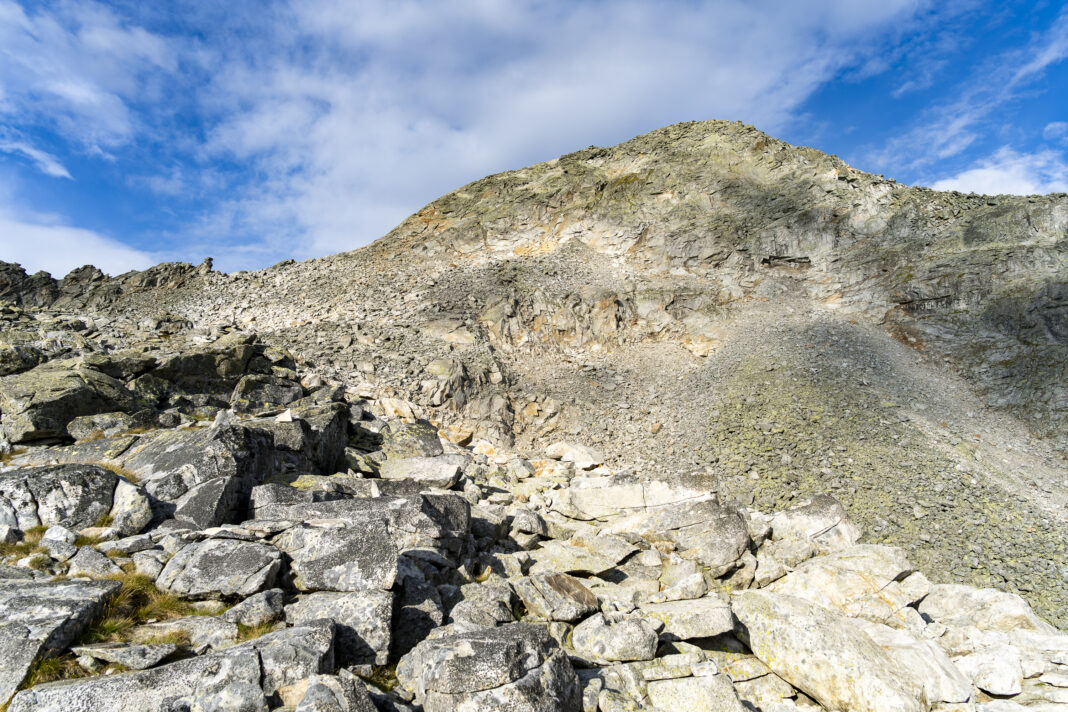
560,557
442,472
353,557
824,654
363,622
132,656
556,597
697,618
40,617
221,567
711,693
74,496
203,631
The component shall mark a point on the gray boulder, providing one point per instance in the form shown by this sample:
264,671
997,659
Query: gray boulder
363,622
615,637
821,518
341,693
697,618
221,568
203,477
130,655
42,618
254,393
442,472
556,597
352,556
824,654
259,609
90,562
100,425
514,668
418,439
73,496
39,403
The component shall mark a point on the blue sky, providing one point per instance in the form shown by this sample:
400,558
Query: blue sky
133,133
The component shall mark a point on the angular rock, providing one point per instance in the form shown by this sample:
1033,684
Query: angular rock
927,663
985,608
824,655
100,424
221,568
203,631
821,518
709,693
42,618
342,693
514,668
697,618
615,638
556,597
39,403
90,562
362,620
406,440
995,670
255,392
623,494
442,472
73,496
259,609
583,457
129,655
418,610
555,556
361,556
205,680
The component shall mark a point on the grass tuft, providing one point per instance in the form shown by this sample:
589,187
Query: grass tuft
249,632
137,602
30,544
128,475
7,457
384,677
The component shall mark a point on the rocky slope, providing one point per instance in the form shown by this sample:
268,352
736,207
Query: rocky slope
625,356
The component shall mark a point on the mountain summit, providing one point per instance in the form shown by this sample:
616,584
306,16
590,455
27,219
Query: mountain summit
693,327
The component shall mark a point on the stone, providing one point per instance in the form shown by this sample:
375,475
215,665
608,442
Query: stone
203,631
362,619
823,654
483,605
583,457
709,693
129,655
221,568
90,562
256,392
513,668
205,681
341,693
73,496
418,610
358,557
697,618
596,497
131,510
995,670
924,661
615,638
442,472
985,608
556,597
714,535
39,403
40,618
822,519
150,563
418,439
100,424
257,610
555,556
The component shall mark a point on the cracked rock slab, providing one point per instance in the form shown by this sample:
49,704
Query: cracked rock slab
221,567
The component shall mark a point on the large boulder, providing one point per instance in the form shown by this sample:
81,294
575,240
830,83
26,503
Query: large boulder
43,618
203,477
514,668
73,496
362,620
39,403
255,392
824,654
704,531
358,555
821,518
555,597
697,618
985,608
615,637
243,677
221,568
441,472
341,693
418,439
621,494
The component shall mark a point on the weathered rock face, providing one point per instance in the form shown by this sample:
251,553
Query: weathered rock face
40,402
517,667
74,496
221,568
38,619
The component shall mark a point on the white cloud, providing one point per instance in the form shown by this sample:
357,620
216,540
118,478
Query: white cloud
45,162
1055,130
1013,173
949,129
74,69
360,113
43,243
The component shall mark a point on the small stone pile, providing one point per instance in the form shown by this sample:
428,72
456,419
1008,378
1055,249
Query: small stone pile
328,549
